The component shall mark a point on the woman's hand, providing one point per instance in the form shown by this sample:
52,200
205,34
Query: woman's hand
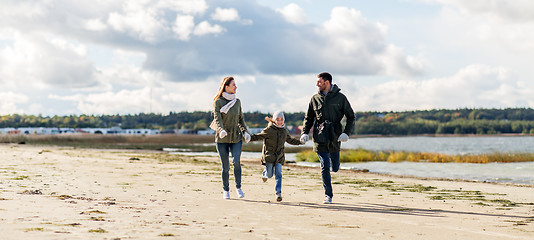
222,133
247,137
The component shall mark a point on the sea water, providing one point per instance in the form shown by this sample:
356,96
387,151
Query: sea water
522,173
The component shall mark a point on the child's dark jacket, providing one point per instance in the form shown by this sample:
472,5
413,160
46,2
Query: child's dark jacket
273,143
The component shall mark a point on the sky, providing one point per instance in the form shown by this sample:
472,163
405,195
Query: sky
63,57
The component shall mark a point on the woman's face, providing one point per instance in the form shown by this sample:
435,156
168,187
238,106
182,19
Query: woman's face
231,88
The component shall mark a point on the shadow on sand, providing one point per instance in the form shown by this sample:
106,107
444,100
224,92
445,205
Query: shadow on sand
382,209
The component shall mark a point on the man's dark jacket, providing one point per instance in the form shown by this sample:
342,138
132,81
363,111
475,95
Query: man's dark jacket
324,114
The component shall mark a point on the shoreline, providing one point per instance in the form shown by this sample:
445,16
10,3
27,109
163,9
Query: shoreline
57,193
446,135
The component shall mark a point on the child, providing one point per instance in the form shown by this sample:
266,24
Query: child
274,136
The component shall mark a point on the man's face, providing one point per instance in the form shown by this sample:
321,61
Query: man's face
323,85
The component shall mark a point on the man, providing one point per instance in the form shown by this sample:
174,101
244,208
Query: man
325,112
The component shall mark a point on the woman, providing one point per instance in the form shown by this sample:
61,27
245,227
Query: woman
229,124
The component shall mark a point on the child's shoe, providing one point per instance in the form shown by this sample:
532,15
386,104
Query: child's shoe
240,193
327,200
279,197
264,179
226,195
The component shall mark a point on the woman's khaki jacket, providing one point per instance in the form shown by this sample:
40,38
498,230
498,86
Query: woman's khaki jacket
232,122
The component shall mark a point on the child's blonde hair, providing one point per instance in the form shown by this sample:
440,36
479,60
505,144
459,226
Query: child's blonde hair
276,115
269,119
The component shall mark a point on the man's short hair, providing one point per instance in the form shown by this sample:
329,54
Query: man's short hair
326,76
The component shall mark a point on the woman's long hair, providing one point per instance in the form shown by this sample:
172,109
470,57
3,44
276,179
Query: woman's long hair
225,82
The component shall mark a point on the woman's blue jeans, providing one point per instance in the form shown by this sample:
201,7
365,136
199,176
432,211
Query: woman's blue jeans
224,150
268,173
328,160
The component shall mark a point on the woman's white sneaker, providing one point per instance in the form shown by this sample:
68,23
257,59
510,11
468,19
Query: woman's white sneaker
226,195
240,193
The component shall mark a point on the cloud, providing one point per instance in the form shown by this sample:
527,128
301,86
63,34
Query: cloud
184,26
159,98
358,46
346,44
474,86
194,7
121,102
10,102
183,44
139,21
46,61
95,25
181,40
205,28
24,9
293,13
496,24
225,15
517,10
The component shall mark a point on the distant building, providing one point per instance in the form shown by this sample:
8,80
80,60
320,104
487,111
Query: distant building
255,130
206,132
186,131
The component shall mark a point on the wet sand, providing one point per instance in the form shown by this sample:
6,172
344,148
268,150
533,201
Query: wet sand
64,193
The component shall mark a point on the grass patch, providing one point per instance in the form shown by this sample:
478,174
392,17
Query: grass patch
504,202
149,142
363,155
20,177
32,192
98,230
98,219
400,209
523,222
37,229
166,235
418,188
477,196
94,211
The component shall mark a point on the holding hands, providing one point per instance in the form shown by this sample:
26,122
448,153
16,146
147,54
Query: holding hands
247,137
304,138
343,137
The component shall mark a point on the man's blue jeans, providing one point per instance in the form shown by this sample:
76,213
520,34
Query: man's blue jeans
328,159
268,173
224,150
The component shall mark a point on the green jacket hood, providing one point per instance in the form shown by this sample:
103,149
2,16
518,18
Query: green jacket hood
333,90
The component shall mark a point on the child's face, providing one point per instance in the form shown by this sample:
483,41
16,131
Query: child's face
279,121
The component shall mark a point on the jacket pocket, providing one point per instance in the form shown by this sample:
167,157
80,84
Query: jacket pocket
323,132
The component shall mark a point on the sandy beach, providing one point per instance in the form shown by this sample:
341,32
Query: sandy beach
66,193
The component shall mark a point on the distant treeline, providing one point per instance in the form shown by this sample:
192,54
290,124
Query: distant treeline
182,120
459,121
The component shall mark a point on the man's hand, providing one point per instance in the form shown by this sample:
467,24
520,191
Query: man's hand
222,133
343,137
304,138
